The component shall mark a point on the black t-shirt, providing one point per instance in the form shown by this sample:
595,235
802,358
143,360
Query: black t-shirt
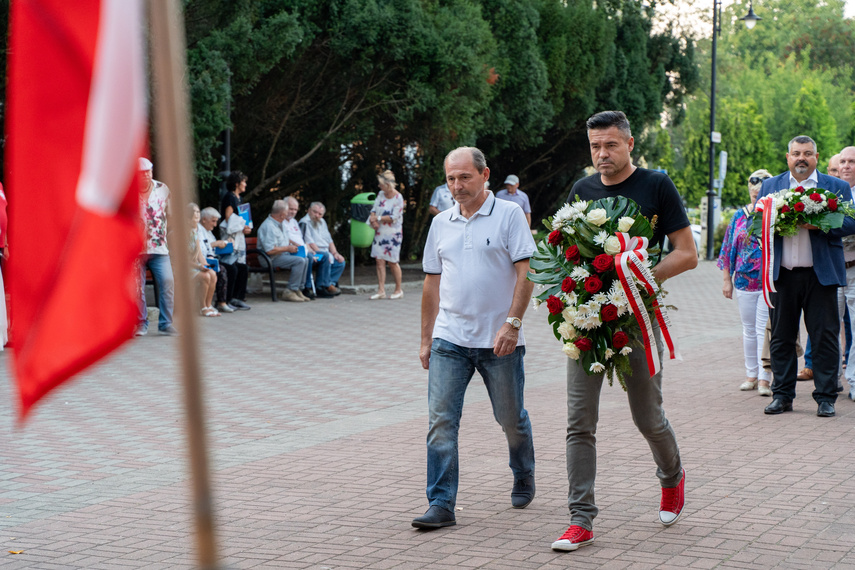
653,191
230,199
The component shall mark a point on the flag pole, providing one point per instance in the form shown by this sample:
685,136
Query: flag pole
172,140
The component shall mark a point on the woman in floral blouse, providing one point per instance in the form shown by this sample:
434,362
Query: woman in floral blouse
387,219
740,262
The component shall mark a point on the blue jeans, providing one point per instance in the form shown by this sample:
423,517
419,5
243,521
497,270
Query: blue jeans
161,271
451,369
328,273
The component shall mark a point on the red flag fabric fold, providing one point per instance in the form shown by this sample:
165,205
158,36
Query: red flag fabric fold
75,127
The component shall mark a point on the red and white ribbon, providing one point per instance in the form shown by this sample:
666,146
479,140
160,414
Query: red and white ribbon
767,244
630,266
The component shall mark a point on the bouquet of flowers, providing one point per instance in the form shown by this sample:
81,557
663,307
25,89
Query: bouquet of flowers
594,275
796,206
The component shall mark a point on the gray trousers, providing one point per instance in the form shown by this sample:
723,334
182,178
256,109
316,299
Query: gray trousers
645,402
297,265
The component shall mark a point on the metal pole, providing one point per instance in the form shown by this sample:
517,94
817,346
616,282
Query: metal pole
175,154
711,193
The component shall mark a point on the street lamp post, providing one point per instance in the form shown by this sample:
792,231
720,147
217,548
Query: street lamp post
750,20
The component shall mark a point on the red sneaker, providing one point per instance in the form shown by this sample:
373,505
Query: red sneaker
671,505
575,537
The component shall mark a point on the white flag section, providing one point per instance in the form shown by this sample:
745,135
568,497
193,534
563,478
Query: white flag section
116,119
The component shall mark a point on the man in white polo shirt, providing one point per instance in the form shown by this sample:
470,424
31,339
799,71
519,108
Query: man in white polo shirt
475,294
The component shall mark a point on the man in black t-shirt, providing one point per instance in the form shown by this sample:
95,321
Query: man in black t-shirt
611,143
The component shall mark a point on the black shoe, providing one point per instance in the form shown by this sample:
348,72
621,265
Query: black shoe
825,410
435,517
309,293
239,305
778,406
523,492
324,294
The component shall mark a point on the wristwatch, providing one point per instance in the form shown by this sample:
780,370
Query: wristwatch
514,322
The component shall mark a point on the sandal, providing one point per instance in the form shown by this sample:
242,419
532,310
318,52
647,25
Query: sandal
376,296
209,312
398,295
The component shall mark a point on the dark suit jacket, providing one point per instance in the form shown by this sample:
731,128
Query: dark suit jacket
827,248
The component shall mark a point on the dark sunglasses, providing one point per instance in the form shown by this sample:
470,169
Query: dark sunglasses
757,179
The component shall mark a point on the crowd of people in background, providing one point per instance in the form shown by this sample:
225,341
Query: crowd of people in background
807,277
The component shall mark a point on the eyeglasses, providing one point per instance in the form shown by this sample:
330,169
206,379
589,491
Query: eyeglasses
757,179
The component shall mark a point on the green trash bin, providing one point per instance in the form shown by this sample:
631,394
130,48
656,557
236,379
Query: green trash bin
361,234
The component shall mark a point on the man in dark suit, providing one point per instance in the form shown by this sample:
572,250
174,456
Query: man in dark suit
809,268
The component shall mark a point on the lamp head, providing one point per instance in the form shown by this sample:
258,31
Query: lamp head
751,18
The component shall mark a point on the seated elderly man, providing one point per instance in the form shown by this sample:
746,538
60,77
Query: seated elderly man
292,230
273,239
207,242
319,240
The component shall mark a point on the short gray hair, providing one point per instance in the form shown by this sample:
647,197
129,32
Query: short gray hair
318,205
290,199
279,206
479,161
210,213
801,139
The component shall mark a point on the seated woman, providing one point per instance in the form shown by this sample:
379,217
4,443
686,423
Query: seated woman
204,277
210,217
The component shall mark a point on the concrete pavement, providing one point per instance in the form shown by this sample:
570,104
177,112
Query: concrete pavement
317,419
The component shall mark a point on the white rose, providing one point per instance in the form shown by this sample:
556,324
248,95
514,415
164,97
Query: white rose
625,223
612,245
597,217
568,314
566,331
789,195
571,350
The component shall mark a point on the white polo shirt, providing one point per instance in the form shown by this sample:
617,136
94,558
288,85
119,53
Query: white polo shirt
475,258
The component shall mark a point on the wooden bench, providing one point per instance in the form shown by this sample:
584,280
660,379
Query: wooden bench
253,265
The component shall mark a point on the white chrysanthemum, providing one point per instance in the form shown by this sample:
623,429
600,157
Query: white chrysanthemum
811,207
594,321
535,302
580,206
601,237
612,245
625,223
583,323
569,298
571,350
565,213
625,350
597,367
579,274
608,354
601,298
566,331
616,295
788,195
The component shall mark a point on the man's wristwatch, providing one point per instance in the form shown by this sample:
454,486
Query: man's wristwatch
514,322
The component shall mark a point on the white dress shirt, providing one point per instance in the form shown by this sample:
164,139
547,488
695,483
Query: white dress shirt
796,251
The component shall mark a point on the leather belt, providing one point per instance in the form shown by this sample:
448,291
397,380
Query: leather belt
850,264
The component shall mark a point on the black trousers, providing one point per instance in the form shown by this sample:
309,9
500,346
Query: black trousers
237,278
799,289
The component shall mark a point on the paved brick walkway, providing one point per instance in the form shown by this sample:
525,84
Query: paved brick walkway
317,418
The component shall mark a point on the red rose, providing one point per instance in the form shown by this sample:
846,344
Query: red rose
816,197
603,262
832,205
584,343
554,304
609,313
620,340
593,284
785,209
572,254
568,284
799,189
799,207
554,238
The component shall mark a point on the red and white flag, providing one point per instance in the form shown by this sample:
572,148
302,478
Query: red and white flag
76,125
